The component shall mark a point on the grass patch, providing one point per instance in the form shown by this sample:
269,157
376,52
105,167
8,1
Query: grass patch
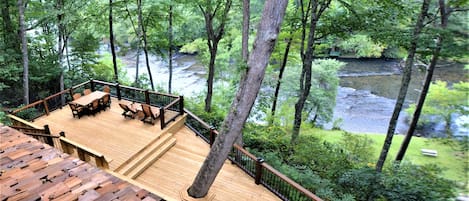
450,158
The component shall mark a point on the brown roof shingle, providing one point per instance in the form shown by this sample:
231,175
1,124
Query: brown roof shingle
31,170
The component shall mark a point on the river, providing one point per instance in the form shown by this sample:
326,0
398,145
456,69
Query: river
365,100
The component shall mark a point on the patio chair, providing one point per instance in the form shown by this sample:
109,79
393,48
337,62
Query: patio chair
150,114
93,107
86,91
76,110
107,89
128,112
105,102
76,96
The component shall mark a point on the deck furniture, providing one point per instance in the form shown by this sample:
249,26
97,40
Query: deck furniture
87,91
94,107
150,114
107,89
87,99
105,102
76,110
128,112
76,96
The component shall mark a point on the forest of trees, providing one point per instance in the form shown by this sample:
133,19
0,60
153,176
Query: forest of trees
287,47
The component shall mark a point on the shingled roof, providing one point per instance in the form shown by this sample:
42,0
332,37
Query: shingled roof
31,170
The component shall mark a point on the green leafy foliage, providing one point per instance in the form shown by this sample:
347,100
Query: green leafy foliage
361,46
358,147
321,102
443,103
333,171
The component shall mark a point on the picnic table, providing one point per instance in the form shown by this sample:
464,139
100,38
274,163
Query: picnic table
88,99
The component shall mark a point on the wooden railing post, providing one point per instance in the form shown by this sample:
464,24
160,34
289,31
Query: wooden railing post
162,118
101,162
258,175
92,85
147,97
181,105
71,92
118,91
46,107
49,140
212,136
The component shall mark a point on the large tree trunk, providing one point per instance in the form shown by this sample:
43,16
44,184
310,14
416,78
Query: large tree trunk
426,86
211,75
10,38
280,76
404,85
214,36
60,46
272,16
316,10
245,39
145,43
170,46
24,51
111,39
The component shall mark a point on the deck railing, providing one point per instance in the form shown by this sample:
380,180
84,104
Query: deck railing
276,182
83,153
58,141
166,102
42,134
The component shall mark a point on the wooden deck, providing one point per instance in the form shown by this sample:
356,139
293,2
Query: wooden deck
124,141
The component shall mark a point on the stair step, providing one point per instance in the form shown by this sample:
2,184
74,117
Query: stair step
190,154
135,172
135,160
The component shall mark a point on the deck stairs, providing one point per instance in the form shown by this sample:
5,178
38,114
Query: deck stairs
144,158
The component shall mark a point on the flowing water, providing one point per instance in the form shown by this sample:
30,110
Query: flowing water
365,100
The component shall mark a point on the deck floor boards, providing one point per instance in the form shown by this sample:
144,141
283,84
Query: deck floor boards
118,139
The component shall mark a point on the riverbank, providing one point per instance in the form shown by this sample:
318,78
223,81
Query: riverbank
451,159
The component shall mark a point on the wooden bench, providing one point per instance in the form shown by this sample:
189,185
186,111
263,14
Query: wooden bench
429,152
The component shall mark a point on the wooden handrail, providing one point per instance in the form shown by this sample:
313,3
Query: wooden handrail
81,84
27,106
27,123
300,188
133,88
245,152
105,83
84,152
163,94
77,145
171,104
197,119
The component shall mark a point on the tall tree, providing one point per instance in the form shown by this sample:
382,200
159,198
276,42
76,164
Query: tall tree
213,12
312,11
60,44
283,65
444,15
24,51
170,51
269,27
111,40
139,40
404,84
245,40
145,41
